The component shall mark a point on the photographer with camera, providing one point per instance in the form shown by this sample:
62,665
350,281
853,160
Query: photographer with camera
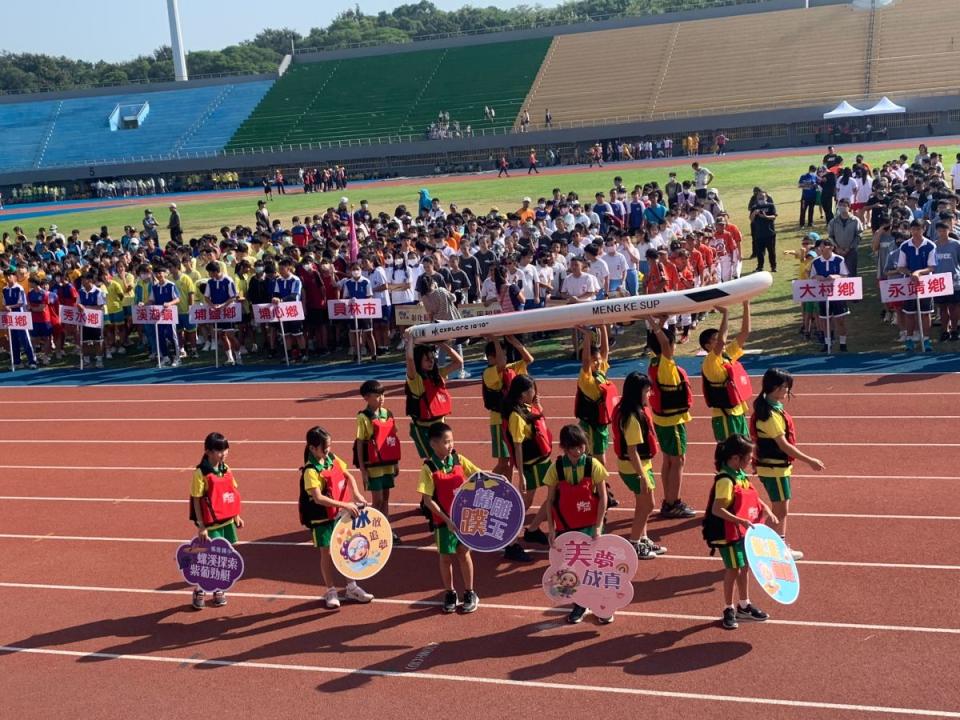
763,228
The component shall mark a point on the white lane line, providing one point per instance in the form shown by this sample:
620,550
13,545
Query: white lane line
481,680
190,468
621,508
494,606
405,419
430,548
344,442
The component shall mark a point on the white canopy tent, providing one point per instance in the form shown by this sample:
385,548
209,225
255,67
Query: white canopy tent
843,110
885,106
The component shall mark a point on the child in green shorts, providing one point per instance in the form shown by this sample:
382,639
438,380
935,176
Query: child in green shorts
773,432
376,449
531,446
443,472
720,370
326,490
428,398
635,443
578,496
214,503
495,381
725,530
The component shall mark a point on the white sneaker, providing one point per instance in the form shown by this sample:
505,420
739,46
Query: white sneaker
796,554
239,358
175,363
99,362
254,348
357,594
229,360
183,352
331,599
165,362
109,354
207,347
121,350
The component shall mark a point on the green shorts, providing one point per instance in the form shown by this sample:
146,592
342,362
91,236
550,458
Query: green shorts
420,434
117,318
588,531
534,474
228,532
598,438
447,541
632,481
322,533
672,439
810,308
734,556
378,484
727,425
498,443
778,488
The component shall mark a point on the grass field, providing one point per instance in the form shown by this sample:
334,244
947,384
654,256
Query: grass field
776,317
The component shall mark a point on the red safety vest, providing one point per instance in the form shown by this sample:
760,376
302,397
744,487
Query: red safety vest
221,500
767,453
434,404
731,392
336,486
445,485
493,399
746,504
575,506
383,447
539,444
648,449
600,411
669,400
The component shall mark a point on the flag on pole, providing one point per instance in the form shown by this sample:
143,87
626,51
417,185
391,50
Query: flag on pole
354,246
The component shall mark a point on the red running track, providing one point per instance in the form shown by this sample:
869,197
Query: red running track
92,506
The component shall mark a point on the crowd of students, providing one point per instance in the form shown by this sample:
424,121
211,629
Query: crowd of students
625,428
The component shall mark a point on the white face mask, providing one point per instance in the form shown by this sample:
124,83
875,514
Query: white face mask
356,274
144,276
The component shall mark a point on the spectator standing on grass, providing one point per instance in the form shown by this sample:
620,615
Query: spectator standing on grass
175,227
918,257
828,191
846,230
702,178
763,228
808,184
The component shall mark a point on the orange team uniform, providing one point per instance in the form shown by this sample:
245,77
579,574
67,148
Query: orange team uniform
709,256
525,215
697,263
731,238
684,275
657,282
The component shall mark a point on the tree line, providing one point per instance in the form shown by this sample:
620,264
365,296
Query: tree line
34,72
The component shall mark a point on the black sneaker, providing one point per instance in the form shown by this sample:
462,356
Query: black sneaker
470,602
537,536
654,547
677,510
449,602
517,554
643,551
605,621
751,612
612,502
824,348
730,619
843,347
954,336
397,540
576,615
944,336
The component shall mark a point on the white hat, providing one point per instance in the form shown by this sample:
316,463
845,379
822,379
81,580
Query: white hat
344,200
526,200
54,228
173,206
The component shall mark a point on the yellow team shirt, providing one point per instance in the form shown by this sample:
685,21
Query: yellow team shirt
126,279
365,433
425,483
668,374
415,384
520,430
633,435
114,297
806,265
574,473
314,480
493,380
185,287
771,429
714,372
587,382
724,490
198,487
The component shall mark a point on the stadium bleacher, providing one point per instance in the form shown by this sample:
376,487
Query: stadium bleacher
390,95
76,130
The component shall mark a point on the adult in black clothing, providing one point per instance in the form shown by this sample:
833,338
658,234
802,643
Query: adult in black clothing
176,229
828,191
460,284
763,219
486,257
471,268
831,159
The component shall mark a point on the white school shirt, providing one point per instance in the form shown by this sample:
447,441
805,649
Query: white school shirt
577,286
616,265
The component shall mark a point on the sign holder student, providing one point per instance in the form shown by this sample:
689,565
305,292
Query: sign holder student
366,308
157,315
270,312
79,318
930,286
15,321
823,291
201,314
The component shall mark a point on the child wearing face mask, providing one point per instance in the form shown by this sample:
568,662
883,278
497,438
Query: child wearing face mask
400,283
357,287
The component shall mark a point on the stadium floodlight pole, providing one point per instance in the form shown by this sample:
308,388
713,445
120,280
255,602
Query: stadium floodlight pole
176,42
